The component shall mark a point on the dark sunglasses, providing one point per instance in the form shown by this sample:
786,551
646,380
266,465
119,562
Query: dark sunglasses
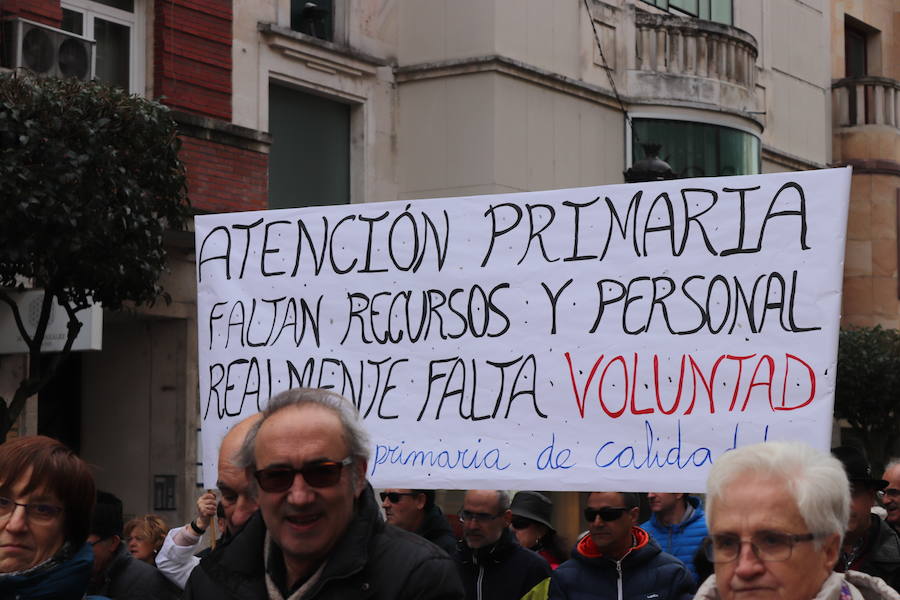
521,523
606,514
318,475
394,497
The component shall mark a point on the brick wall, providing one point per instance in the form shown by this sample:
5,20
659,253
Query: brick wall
47,12
224,178
192,55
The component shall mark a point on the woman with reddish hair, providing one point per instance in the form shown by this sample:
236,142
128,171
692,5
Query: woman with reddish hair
46,499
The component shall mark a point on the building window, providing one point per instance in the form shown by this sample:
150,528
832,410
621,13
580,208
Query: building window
698,149
315,18
719,11
856,63
309,160
113,24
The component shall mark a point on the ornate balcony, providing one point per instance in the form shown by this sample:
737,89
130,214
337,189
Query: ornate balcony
866,101
681,60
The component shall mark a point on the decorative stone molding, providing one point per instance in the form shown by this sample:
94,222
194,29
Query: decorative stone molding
320,55
866,101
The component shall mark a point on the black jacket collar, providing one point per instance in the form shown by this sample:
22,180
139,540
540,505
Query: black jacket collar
486,555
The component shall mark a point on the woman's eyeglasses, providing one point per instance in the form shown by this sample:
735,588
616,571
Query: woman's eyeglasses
321,474
768,546
37,512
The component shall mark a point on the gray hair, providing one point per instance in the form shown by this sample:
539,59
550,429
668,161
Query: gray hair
355,436
816,480
503,501
892,462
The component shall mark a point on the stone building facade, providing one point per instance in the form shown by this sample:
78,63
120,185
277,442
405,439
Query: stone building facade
288,103
865,72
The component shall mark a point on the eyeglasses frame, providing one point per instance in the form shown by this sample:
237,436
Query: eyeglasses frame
343,463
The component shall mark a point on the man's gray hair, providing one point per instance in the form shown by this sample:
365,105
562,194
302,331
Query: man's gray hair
892,462
816,480
355,436
503,501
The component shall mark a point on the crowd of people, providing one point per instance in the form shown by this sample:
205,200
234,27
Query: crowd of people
294,518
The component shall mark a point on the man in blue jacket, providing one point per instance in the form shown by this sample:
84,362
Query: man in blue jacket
678,526
618,560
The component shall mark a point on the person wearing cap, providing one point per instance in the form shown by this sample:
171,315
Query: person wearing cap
415,511
677,524
531,515
870,545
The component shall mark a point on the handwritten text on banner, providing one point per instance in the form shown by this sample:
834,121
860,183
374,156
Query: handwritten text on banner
618,337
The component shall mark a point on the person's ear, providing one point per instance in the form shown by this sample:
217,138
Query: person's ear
507,518
421,501
116,540
635,514
831,548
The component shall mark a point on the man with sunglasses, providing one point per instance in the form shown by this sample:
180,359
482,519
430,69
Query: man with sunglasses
491,562
776,514
891,494
618,559
415,511
318,534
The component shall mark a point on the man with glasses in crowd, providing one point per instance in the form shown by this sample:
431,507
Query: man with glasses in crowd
176,559
491,563
318,533
618,559
870,545
891,494
415,511
776,514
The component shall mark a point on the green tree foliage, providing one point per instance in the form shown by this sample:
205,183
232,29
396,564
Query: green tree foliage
868,388
89,181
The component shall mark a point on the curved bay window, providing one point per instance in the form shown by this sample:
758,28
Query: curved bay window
698,149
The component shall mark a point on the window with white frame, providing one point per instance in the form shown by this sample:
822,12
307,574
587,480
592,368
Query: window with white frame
117,27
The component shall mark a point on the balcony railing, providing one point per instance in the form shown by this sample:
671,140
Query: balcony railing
866,101
693,47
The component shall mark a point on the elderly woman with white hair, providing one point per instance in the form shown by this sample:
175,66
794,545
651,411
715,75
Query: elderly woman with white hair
776,514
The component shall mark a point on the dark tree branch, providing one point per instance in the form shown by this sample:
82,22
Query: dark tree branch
14,307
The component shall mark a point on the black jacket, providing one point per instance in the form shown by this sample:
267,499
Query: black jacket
371,560
127,578
881,554
645,572
436,530
502,571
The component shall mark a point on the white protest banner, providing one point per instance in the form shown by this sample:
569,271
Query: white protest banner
619,337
